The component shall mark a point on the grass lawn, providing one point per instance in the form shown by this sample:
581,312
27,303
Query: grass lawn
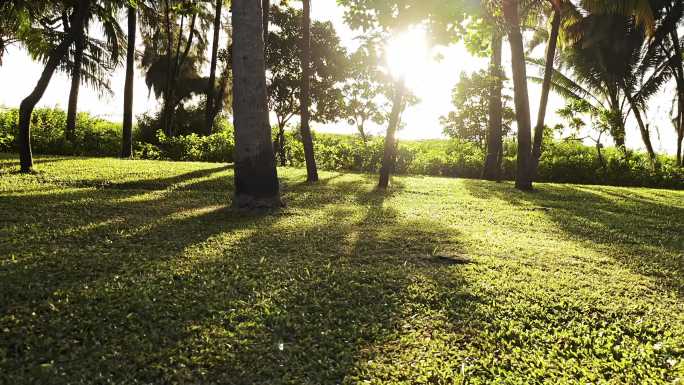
131,272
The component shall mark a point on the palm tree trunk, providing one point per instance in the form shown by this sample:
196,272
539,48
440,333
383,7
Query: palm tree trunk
127,141
307,141
256,177
390,141
78,28
266,8
546,87
211,89
165,113
281,145
680,139
645,135
491,169
523,179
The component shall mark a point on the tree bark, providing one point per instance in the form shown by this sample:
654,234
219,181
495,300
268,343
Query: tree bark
307,141
281,145
523,179
29,103
127,137
78,29
169,69
389,154
492,169
266,8
546,87
211,89
256,177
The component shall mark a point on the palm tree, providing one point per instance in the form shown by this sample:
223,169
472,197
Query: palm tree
492,166
78,27
256,177
54,58
523,180
546,85
307,141
211,89
127,142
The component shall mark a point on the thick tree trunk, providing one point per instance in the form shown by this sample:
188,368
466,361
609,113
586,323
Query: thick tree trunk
546,88
389,155
29,103
78,29
307,141
256,177
523,179
492,169
127,137
211,89
645,135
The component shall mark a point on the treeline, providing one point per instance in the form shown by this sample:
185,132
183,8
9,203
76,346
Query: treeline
562,161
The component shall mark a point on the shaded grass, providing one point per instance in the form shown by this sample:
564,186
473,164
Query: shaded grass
138,272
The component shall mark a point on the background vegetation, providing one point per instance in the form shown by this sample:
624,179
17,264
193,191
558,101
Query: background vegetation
562,161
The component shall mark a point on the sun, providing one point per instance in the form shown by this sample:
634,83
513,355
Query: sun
407,55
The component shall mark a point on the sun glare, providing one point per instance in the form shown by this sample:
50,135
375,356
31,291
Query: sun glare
407,54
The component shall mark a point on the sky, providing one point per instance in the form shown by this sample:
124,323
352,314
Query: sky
433,86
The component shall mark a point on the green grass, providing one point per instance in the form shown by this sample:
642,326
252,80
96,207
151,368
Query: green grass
139,272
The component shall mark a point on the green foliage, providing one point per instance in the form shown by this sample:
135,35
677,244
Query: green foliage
217,147
329,66
94,136
124,272
470,98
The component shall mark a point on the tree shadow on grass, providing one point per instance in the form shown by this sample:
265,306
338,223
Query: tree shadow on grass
642,232
142,285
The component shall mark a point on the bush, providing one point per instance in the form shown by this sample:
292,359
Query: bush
563,162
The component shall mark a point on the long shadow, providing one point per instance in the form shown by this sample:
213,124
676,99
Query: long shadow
642,233
177,288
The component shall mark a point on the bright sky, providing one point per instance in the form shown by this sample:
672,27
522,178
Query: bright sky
432,83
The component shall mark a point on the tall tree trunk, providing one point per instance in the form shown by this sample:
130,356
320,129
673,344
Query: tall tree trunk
78,29
266,7
523,180
645,135
546,87
389,154
29,103
256,177
127,142
680,139
211,89
307,141
169,70
492,169
281,145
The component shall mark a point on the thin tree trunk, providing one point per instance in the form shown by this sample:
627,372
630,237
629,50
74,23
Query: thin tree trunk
523,179
546,87
169,69
256,177
29,103
78,29
680,139
127,142
266,7
645,135
211,89
492,170
281,145
390,148
307,141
